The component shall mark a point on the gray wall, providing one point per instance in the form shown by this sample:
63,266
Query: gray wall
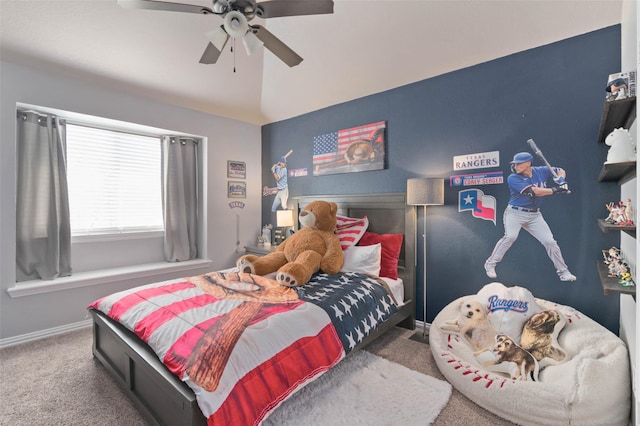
553,94
227,140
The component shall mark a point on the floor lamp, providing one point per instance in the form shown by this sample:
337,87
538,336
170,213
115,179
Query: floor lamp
424,192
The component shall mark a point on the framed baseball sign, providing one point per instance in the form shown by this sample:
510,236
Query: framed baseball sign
236,169
236,189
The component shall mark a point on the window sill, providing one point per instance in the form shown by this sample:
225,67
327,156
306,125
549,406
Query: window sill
89,278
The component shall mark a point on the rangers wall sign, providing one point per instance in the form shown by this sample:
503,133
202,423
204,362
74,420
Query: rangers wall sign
481,206
491,178
297,172
481,160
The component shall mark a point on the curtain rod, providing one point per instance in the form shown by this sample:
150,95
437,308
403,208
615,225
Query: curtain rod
107,127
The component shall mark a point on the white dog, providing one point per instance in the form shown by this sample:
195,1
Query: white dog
473,325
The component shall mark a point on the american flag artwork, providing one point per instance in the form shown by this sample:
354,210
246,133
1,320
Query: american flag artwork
355,149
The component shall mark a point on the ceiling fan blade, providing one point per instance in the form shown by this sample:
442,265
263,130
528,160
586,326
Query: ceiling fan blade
276,46
278,8
210,55
162,5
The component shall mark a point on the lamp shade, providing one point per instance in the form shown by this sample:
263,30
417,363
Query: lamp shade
425,191
235,24
284,218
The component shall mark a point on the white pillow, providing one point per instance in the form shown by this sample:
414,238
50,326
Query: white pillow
363,259
508,308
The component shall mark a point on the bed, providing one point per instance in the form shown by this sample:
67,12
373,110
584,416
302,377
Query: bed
133,359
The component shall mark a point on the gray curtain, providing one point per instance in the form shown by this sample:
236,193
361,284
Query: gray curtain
180,197
43,232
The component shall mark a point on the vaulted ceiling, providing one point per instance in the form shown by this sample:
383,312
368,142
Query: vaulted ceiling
364,47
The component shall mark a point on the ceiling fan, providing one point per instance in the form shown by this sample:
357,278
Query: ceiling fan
236,15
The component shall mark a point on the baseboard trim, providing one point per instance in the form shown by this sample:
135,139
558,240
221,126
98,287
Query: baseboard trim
419,326
37,335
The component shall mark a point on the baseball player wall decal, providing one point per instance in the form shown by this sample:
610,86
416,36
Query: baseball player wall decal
528,186
279,171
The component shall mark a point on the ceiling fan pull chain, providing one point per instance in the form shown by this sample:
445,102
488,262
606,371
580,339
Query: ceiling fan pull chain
233,45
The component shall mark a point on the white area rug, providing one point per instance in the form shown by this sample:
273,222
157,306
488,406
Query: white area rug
365,389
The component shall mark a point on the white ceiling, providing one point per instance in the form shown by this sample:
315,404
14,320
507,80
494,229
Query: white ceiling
364,47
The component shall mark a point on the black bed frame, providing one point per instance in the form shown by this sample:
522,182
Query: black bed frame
164,399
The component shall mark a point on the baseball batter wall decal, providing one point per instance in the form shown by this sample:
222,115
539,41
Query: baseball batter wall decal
528,186
279,171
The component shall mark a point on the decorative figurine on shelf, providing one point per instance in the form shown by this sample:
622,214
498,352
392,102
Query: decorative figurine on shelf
266,235
629,212
617,266
611,259
620,85
620,214
614,213
626,280
617,87
611,255
620,268
623,147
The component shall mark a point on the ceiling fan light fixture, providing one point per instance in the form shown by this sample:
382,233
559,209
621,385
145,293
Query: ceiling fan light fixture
251,42
218,37
235,24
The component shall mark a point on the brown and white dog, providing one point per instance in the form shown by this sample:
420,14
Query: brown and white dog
473,325
538,336
507,351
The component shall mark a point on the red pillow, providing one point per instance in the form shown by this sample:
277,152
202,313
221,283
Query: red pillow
391,246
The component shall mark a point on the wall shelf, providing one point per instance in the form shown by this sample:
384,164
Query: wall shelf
620,172
606,227
616,114
610,284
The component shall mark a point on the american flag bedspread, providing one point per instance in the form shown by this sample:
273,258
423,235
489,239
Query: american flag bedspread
244,343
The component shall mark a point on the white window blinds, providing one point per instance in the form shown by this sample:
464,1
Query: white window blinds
114,181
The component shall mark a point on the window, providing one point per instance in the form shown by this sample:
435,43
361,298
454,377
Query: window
114,180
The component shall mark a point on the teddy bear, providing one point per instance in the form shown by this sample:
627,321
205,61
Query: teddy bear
313,248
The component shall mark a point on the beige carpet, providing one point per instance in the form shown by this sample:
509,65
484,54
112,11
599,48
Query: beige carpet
396,346
362,390
56,381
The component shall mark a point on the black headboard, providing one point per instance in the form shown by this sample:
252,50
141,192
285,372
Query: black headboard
387,214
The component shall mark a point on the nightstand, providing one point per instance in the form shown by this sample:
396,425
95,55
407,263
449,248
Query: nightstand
260,250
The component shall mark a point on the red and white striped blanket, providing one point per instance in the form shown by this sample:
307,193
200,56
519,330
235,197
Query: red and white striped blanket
244,343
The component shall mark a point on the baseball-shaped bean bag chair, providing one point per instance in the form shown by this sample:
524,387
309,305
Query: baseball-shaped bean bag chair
532,361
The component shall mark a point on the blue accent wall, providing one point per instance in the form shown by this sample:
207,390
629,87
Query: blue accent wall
553,94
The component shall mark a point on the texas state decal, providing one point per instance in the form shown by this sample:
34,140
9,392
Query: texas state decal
481,206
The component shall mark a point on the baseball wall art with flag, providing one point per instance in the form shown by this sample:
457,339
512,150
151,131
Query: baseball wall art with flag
350,150
482,206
